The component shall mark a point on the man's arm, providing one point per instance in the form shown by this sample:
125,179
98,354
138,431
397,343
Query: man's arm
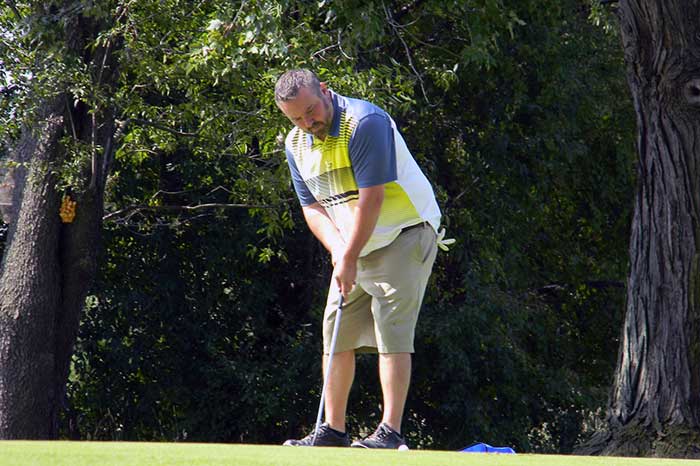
366,214
325,230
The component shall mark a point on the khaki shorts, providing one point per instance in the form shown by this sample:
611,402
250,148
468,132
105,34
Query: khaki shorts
381,311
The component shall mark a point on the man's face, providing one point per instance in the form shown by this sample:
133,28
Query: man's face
309,111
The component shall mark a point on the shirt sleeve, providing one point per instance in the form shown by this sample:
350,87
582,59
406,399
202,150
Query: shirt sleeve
303,193
372,151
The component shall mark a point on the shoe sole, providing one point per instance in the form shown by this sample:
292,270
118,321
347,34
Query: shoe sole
359,445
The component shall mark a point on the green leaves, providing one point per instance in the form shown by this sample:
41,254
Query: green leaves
512,109
72,172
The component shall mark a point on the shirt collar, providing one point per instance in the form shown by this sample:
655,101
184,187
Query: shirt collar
335,124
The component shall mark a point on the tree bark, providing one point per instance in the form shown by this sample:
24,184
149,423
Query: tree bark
29,289
49,266
655,399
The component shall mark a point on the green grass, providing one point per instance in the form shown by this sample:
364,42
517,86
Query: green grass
153,454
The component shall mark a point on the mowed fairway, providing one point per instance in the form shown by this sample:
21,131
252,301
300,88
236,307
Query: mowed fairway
126,453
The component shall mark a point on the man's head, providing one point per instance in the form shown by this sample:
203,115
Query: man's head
306,101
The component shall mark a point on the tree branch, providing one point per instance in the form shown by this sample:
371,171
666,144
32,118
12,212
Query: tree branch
70,117
108,156
596,284
9,90
165,128
407,9
396,28
93,146
134,209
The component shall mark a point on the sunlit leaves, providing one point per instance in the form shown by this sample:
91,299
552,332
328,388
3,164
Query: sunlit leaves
511,108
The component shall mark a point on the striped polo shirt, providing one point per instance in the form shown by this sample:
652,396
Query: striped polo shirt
363,148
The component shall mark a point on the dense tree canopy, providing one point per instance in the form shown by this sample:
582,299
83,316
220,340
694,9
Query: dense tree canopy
204,319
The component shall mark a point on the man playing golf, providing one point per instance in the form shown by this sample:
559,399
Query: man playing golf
365,198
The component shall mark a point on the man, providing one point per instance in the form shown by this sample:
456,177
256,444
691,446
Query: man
365,198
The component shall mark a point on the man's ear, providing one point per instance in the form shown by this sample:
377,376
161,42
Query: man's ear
324,87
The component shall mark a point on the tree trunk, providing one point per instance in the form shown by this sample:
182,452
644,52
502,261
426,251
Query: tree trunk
49,266
655,399
47,270
29,290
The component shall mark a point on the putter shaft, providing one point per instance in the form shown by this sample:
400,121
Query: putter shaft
336,326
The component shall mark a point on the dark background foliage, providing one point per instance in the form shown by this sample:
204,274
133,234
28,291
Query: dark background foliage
204,325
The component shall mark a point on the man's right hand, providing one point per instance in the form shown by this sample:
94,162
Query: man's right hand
344,274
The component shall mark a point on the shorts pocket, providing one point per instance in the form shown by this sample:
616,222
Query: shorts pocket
424,243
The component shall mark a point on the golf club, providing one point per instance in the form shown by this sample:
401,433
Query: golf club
336,326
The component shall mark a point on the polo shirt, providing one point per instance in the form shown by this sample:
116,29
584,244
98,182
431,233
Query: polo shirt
363,148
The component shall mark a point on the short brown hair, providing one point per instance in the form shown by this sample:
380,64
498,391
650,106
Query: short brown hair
289,84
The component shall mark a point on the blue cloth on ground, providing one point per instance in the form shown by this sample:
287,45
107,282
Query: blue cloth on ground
485,448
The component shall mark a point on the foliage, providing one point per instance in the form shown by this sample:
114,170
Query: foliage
204,342
204,324
536,175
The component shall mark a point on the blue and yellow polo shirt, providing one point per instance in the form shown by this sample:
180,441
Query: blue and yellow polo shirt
363,148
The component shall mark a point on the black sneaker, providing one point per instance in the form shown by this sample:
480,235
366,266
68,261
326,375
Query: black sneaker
383,437
327,437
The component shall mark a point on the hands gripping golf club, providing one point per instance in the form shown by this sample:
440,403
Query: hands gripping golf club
336,326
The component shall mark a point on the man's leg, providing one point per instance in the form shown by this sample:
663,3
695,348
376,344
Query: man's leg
395,377
396,276
338,390
356,331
